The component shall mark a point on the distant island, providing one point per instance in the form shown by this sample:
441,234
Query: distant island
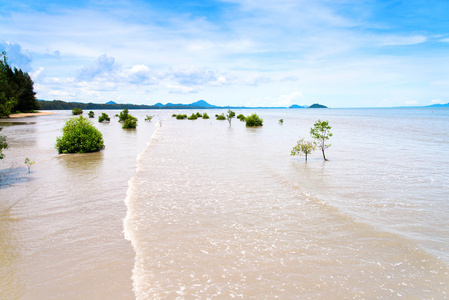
315,105
439,105
201,104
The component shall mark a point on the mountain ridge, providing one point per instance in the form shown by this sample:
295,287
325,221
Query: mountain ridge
200,104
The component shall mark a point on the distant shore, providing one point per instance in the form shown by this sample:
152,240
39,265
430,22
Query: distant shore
43,113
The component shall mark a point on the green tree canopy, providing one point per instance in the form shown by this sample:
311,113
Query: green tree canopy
303,147
104,118
229,116
253,120
79,135
130,122
220,117
16,89
77,111
123,115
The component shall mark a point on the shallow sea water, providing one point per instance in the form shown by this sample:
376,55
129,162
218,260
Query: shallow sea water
200,209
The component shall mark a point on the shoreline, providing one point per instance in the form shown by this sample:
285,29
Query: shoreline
24,115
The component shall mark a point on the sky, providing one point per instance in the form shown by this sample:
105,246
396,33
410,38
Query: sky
340,53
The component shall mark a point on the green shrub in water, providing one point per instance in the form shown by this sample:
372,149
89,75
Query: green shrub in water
79,135
77,111
130,122
123,115
254,120
193,117
104,118
221,117
241,117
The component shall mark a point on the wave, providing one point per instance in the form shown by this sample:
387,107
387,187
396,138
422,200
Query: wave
130,223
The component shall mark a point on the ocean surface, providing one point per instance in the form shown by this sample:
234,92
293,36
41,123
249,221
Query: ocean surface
181,209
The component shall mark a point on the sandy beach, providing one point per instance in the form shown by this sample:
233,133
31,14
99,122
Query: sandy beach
42,113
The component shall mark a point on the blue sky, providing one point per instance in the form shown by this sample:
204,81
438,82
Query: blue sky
341,53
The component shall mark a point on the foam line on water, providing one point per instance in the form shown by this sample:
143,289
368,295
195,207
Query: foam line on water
128,224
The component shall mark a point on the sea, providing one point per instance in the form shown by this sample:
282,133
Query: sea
207,209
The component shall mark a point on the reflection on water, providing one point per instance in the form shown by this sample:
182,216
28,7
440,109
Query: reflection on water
13,176
82,162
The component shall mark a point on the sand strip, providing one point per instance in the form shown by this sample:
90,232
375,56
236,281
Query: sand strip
43,113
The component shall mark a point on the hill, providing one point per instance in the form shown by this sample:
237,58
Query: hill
315,105
439,105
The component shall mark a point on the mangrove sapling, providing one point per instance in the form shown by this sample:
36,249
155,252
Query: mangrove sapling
321,132
123,115
29,163
241,117
3,144
181,117
77,111
104,118
253,120
281,121
303,147
229,116
79,135
205,116
91,114
221,117
130,122
198,115
148,118
193,117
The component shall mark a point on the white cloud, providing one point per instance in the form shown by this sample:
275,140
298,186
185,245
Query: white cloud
38,74
104,67
402,40
289,99
16,55
255,80
411,102
198,77
142,74
179,89
438,101
284,100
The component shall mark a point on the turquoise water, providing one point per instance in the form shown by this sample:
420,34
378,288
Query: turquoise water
211,210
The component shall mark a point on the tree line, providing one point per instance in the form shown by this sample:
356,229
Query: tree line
16,90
